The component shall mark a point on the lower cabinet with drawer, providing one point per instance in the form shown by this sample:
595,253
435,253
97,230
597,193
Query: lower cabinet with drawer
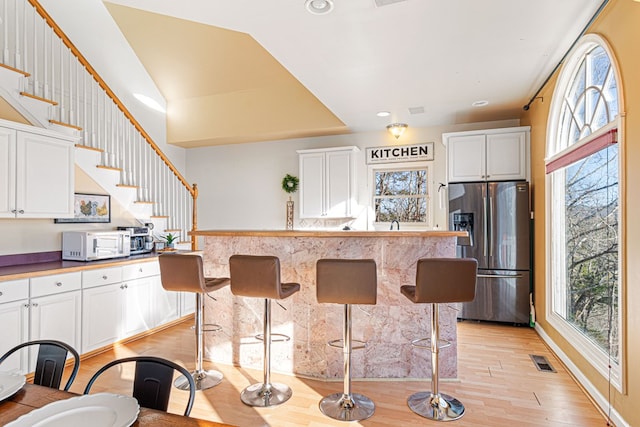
14,318
47,307
55,308
88,310
123,303
102,307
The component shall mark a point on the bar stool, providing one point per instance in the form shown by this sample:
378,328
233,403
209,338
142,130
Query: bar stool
185,273
439,280
346,281
259,277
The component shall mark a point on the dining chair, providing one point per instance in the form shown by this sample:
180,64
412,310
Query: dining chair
152,381
50,363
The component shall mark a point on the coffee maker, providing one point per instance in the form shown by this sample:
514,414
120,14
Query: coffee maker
141,239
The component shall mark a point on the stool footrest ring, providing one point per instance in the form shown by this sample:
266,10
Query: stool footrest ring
426,343
278,337
211,327
338,344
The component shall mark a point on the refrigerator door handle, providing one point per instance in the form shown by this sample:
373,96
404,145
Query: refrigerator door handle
500,276
485,220
488,223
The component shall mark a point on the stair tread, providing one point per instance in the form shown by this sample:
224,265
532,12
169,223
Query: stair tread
8,67
109,168
67,125
144,202
39,98
86,147
126,186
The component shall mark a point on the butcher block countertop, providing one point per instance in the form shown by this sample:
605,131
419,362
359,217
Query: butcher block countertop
329,233
26,271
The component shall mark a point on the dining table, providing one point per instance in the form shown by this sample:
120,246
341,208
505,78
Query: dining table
32,397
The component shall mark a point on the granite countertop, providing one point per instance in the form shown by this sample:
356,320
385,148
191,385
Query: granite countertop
329,233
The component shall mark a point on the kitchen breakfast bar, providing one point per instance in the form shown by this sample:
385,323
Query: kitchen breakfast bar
387,327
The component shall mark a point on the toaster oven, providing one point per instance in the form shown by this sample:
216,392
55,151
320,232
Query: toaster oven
94,245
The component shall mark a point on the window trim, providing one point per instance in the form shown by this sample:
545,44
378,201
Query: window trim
428,165
615,373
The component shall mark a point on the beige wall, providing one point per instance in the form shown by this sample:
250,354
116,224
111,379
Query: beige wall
43,235
618,24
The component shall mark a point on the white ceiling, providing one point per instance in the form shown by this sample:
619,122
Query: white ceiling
438,54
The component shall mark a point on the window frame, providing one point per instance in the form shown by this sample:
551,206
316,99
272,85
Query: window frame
599,359
402,166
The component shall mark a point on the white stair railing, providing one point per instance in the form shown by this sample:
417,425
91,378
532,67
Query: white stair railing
82,102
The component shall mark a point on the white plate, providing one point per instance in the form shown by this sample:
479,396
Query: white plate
95,410
10,383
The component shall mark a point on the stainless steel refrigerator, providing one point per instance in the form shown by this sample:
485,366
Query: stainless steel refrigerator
497,217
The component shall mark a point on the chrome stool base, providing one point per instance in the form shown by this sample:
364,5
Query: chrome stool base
441,407
343,407
203,380
263,395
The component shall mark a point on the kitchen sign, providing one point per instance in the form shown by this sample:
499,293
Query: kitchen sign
400,153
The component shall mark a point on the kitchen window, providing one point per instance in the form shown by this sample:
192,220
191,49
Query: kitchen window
401,192
583,187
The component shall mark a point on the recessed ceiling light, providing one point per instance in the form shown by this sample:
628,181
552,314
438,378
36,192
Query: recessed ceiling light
151,103
319,7
383,114
480,103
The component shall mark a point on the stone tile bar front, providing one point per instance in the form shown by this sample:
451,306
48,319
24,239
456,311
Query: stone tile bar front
387,328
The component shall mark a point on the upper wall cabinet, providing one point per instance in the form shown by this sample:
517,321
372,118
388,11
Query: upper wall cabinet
327,182
36,172
488,155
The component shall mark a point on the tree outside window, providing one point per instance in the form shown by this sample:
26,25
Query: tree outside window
402,194
584,193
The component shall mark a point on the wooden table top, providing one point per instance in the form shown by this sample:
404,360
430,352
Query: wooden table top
32,397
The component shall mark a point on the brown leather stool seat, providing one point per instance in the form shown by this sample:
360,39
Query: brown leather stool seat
259,277
440,280
185,273
346,281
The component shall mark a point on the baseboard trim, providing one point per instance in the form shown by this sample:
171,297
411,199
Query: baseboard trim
601,401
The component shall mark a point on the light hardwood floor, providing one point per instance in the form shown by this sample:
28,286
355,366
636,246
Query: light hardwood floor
498,384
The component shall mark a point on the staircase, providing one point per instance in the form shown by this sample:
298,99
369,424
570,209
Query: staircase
47,80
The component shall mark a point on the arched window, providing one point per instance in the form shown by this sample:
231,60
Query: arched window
583,205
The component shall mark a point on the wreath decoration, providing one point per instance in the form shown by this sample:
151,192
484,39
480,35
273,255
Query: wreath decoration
290,183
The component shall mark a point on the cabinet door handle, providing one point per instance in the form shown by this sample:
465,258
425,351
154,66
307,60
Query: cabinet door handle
121,286
0,293
126,286
58,284
35,304
104,277
140,270
21,211
13,211
26,306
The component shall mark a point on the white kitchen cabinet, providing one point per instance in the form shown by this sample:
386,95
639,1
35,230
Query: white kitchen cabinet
52,312
102,307
37,170
327,182
187,303
101,316
488,155
56,308
157,305
14,318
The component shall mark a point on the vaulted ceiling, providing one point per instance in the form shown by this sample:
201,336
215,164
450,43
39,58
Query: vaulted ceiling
236,71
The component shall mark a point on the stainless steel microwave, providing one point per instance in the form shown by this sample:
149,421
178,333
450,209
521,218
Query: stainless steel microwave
94,245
